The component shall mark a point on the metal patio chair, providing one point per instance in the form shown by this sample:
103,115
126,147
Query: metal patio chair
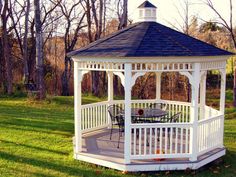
117,119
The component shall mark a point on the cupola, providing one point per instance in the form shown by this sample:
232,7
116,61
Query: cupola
147,12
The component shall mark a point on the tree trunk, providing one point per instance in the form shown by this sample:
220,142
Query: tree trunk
6,49
124,19
39,51
234,90
65,77
25,44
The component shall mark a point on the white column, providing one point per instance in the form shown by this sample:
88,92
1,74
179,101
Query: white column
158,86
203,95
127,140
222,104
110,87
194,111
77,107
222,91
110,94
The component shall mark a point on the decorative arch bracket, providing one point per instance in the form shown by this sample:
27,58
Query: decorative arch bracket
121,76
135,77
80,78
133,80
193,81
223,74
188,75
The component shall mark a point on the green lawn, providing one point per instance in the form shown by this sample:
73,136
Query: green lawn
36,140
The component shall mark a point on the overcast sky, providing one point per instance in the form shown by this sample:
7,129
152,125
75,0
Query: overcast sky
167,9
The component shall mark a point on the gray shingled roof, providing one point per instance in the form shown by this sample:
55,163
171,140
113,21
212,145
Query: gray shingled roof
147,4
148,39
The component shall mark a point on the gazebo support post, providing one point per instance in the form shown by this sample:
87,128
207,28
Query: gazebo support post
222,103
222,91
128,87
203,95
194,111
110,93
77,106
158,86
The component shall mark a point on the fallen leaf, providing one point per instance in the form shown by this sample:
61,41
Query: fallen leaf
227,166
124,172
216,172
98,172
167,173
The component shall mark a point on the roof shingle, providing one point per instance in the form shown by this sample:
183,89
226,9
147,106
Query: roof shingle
148,39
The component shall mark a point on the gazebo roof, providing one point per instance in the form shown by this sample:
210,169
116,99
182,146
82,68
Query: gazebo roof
147,4
148,39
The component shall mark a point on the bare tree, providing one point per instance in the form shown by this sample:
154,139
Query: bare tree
123,13
25,43
228,24
73,16
5,43
39,50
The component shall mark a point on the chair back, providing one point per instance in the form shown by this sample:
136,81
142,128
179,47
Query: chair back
158,106
175,117
114,112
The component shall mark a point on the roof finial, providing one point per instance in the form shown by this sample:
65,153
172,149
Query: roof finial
147,12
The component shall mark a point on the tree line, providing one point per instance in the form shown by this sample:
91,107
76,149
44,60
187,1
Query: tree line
36,35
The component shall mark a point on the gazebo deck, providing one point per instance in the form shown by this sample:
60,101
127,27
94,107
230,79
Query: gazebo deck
98,147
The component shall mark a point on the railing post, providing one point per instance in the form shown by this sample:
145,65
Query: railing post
77,107
222,91
203,95
194,112
127,138
222,103
158,86
110,94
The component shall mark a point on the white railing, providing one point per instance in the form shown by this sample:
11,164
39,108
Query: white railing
210,134
210,112
160,140
94,116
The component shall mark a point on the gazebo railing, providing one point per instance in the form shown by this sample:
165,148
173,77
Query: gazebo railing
210,134
160,140
94,116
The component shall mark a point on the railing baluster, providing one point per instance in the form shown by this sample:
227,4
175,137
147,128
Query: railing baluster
155,146
140,140
161,140
166,138
150,141
181,141
134,146
145,141
176,140
171,139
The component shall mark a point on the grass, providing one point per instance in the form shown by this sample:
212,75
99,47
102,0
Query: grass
36,140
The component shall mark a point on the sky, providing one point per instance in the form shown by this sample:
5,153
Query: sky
167,9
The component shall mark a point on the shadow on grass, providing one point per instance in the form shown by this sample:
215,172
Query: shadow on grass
40,129
34,147
48,165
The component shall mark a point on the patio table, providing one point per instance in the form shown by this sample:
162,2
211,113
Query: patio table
149,115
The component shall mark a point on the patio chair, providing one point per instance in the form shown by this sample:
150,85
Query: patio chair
172,119
116,119
158,106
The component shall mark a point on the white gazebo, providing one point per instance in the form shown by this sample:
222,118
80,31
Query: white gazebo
195,140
